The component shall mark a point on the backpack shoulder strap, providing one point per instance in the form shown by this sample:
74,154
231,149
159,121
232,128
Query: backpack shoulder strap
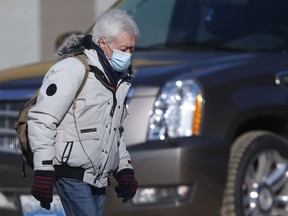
82,57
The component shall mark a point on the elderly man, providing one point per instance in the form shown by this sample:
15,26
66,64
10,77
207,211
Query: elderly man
77,143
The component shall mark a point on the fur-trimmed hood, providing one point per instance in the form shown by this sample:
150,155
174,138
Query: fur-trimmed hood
71,46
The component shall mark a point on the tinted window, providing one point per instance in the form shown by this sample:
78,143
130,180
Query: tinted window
234,24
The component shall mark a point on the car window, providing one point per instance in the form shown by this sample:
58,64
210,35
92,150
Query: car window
223,24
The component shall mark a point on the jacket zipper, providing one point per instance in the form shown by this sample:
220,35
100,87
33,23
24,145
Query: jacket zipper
105,82
102,79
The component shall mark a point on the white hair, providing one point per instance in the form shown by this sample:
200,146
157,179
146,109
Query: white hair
113,22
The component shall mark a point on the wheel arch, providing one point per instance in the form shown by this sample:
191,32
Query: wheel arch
271,123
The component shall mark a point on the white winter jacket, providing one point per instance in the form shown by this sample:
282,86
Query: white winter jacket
92,142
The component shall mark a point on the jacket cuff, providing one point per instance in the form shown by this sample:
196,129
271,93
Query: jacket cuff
123,172
47,173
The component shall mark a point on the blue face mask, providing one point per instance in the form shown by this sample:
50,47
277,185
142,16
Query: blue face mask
119,61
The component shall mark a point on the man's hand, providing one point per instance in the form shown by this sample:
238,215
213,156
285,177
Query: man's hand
42,188
127,186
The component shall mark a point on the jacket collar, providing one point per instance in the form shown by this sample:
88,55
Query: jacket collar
111,74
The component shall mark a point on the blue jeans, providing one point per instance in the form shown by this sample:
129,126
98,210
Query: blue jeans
80,199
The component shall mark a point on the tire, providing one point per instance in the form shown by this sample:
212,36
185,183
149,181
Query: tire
257,176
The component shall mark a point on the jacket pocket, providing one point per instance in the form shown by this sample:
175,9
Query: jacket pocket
86,154
66,152
82,133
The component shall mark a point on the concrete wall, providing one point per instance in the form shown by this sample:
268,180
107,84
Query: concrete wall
28,29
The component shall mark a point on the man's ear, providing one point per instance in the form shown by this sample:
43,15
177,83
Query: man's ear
102,43
104,46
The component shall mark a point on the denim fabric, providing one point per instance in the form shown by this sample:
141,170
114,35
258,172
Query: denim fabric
79,199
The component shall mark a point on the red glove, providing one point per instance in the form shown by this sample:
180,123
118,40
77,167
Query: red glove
42,188
127,186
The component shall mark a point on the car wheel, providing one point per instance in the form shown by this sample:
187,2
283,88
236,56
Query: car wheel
257,176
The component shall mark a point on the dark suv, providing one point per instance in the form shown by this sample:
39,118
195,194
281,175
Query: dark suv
208,112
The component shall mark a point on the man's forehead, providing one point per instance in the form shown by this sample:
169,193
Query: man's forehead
125,39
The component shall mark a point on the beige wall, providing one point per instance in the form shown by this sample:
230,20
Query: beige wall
56,19
28,29
19,34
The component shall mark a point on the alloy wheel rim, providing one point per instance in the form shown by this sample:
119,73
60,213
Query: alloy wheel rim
265,185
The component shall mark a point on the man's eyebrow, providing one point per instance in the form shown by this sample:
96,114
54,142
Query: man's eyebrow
125,46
